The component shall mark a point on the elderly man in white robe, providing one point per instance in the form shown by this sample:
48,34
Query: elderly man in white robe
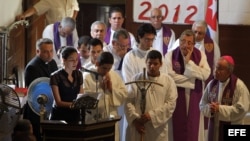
120,46
225,100
189,68
150,123
134,60
165,36
110,85
204,43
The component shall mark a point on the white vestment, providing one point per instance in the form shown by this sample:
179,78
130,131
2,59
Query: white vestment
56,9
158,42
84,61
134,62
109,102
200,46
160,104
187,80
48,32
234,113
117,59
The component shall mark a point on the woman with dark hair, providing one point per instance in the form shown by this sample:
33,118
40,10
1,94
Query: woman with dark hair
66,84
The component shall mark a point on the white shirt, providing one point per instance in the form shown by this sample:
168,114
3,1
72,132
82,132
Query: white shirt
56,9
158,42
49,33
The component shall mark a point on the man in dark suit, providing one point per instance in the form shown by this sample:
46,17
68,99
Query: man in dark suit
42,65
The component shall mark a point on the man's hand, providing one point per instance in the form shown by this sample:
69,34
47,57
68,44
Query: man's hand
188,55
139,126
214,107
145,118
106,83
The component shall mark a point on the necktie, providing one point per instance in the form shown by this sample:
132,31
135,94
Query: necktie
120,65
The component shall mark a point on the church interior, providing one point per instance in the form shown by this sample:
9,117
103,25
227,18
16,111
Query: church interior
18,45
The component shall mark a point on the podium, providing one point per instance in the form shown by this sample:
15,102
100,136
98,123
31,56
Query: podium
101,130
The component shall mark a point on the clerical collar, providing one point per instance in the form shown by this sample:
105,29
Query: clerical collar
225,82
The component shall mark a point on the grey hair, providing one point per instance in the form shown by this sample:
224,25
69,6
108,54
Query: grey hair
200,23
68,22
42,41
97,23
188,32
121,32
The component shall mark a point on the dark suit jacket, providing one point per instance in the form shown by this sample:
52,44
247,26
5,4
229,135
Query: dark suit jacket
38,68
34,69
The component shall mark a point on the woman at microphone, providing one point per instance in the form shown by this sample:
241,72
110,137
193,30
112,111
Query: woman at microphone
110,85
66,83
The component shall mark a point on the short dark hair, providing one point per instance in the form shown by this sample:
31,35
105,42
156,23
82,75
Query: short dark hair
42,41
94,42
154,54
145,28
105,58
67,51
116,9
83,40
23,125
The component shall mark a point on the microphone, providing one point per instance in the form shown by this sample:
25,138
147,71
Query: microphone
90,71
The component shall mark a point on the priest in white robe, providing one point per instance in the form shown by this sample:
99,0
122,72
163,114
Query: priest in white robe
225,100
108,83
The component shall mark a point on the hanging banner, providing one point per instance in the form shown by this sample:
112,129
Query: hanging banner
173,11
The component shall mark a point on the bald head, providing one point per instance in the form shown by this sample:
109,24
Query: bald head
156,18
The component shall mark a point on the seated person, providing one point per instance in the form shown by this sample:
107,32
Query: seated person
23,131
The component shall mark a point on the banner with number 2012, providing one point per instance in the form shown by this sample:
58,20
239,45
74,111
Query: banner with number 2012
173,11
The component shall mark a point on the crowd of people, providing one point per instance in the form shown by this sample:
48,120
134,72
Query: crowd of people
182,87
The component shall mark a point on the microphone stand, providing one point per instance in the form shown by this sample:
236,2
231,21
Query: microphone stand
96,82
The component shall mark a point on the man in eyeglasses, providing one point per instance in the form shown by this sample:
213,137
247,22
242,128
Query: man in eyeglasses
134,60
165,36
119,47
205,43
189,68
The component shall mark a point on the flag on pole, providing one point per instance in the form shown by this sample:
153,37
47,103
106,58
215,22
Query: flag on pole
212,19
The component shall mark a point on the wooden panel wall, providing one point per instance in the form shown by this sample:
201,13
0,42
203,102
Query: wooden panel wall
16,54
21,44
233,40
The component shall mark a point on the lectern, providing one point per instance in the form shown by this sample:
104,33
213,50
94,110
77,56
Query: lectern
101,130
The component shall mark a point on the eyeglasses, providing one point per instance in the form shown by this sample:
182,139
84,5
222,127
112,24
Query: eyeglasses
183,41
156,17
123,46
199,32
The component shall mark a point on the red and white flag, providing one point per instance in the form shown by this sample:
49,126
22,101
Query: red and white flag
212,19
